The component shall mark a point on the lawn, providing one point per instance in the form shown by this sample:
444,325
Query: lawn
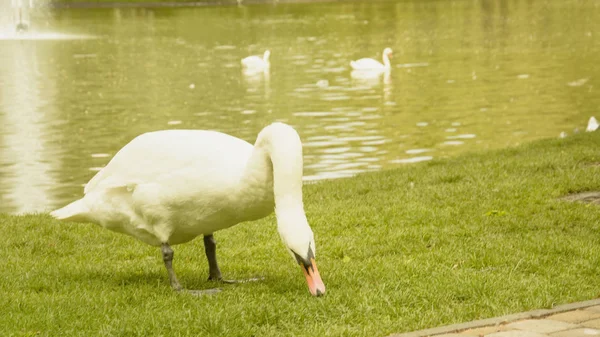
430,244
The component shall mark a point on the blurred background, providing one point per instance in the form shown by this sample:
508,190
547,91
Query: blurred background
468,75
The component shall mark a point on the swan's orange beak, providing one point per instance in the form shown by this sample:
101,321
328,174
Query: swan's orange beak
315,284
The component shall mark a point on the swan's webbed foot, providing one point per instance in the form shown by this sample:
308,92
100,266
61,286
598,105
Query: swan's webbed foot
203,292
221,280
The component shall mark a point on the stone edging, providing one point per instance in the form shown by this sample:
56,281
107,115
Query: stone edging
498,320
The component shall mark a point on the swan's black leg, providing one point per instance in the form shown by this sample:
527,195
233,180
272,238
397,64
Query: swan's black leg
214,274
210,247
167,254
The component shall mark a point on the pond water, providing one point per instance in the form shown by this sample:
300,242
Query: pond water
466,76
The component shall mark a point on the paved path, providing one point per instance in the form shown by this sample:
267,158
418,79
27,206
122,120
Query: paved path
581,319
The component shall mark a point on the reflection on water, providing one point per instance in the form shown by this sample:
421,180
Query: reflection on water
465,76
26,151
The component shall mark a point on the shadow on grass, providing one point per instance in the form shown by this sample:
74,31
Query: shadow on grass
156,279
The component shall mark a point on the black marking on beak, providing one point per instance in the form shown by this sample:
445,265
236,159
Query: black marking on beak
305,263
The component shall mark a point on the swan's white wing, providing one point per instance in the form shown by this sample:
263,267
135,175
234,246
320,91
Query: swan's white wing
152,156
254,62
366,63
168,185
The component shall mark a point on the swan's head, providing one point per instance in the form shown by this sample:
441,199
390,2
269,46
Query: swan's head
299,239
266,55
387,52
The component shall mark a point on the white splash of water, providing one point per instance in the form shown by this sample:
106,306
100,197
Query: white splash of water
18,22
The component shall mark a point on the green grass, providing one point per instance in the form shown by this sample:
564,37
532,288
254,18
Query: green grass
436,243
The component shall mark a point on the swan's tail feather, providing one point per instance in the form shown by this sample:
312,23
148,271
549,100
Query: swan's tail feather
75,211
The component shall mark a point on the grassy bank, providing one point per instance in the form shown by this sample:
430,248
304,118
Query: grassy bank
431,244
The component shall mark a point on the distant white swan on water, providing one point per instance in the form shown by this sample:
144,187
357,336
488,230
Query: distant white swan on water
255,62
372,64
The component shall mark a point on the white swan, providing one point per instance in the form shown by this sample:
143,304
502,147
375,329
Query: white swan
256,62
592,124
167,187
371,64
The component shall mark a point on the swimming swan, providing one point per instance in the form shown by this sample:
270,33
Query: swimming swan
168,187
256,62
371,64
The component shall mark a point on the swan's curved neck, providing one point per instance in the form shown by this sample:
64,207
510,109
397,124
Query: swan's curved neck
386,61
275,167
